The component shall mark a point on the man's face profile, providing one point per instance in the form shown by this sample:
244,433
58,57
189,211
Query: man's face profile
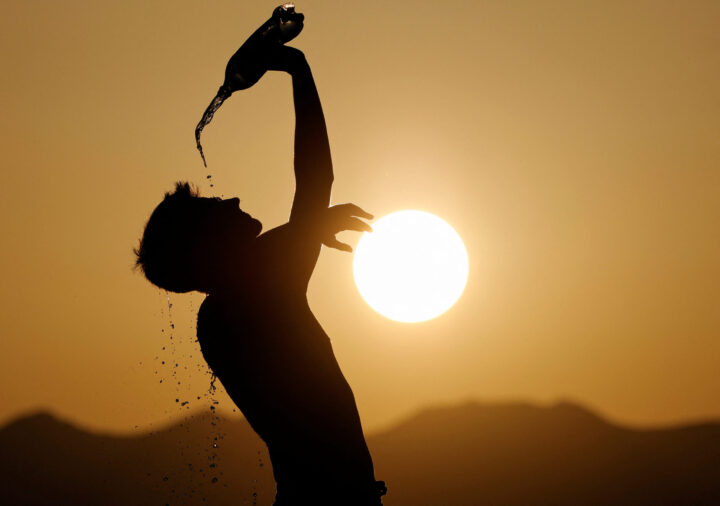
224,225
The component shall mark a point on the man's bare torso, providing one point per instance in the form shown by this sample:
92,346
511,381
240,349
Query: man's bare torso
278,366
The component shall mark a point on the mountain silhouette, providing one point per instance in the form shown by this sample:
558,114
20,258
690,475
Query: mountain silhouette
470,455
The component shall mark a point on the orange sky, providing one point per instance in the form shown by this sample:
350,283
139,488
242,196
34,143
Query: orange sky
574,147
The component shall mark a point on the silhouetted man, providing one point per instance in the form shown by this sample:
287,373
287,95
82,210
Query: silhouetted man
255,327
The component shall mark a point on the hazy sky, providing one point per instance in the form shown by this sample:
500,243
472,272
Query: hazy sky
573,145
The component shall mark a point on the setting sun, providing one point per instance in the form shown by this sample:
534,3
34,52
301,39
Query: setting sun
412,267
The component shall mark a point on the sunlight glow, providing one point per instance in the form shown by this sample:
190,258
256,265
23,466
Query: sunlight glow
412,267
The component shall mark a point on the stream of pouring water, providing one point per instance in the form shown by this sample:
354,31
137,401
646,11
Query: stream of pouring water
248,64
222,95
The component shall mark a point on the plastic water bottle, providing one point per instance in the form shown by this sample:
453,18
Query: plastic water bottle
247,65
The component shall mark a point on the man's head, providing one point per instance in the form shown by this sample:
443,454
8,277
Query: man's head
189,240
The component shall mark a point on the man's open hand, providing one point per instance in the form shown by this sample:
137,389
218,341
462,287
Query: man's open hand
343,217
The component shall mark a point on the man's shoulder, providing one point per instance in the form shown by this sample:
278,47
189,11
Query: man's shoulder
214,334
207,307
219,315
211,318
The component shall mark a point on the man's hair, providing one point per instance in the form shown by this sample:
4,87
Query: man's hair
165,252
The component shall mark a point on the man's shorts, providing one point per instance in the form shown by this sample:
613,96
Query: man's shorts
321,496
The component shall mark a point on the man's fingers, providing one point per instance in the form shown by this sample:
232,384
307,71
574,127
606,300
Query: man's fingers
282,57
356,224
343,217
354,210
334,243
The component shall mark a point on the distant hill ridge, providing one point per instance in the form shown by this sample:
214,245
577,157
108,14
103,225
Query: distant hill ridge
467,455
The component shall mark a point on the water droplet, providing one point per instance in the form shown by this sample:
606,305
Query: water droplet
214,480
165,478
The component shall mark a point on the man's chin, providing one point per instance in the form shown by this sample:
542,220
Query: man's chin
258,227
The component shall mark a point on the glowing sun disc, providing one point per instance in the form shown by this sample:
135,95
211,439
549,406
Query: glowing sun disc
412,267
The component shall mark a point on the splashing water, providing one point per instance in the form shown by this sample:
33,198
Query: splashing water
222,95
213,387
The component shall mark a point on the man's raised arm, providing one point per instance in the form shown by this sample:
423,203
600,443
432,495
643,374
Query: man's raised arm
313,163
312,223
302,236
